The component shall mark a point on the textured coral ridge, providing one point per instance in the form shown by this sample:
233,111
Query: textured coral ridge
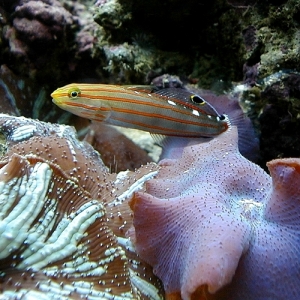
63,219
215,225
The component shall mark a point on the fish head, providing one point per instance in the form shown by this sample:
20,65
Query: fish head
80,100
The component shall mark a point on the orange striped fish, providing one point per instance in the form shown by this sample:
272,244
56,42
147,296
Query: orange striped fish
170,112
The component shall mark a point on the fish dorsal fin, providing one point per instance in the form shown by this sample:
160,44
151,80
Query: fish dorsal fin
188,100
178,93
178,96
147,89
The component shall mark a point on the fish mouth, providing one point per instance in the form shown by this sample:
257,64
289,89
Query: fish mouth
55,98
57,101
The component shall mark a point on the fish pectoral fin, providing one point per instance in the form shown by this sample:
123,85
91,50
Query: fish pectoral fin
104,113
99,114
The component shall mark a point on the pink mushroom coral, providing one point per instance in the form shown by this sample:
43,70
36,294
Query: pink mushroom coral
215,225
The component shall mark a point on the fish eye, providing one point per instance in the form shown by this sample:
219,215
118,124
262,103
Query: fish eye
197,99
74,93
222,117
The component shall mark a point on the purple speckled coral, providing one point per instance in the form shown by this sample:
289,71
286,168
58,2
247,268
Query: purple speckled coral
215,225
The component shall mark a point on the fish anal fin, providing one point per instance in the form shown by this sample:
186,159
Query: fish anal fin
159,139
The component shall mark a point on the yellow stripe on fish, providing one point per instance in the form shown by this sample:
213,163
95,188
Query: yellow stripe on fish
171,112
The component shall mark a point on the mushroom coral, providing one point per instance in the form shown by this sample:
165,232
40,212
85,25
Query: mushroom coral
216,226
212,224
63,219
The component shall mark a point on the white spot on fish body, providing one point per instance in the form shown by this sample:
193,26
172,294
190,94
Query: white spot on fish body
195,112
171,102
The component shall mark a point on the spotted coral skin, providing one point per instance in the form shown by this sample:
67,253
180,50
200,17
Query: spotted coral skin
63,219
216,224
53,232
275,243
